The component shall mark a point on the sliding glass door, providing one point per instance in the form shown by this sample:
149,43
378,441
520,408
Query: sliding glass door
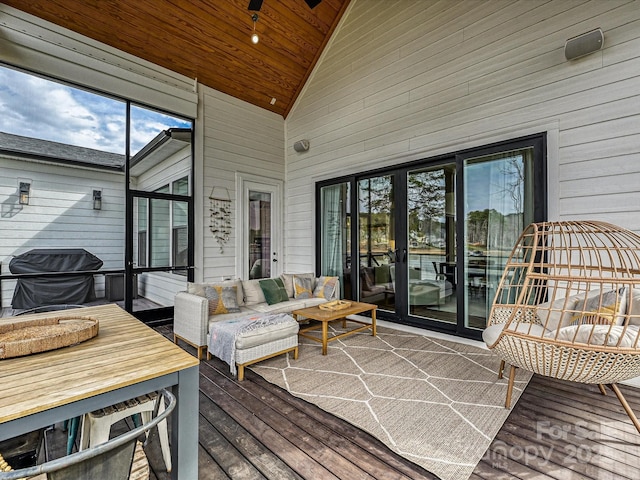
430,239
498,204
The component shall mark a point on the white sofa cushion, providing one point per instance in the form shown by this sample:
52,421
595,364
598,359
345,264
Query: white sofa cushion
312,302
281,307
287,279
252,292
244,311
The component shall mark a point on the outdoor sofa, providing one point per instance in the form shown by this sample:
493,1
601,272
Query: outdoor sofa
203,305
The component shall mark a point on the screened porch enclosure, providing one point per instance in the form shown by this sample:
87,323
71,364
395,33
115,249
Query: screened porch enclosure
95,174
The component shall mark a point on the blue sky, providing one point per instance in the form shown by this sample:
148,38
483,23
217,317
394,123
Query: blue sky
32,106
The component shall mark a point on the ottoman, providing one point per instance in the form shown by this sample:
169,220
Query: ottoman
256,343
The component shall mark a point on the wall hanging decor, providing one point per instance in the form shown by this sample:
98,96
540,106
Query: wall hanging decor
220,215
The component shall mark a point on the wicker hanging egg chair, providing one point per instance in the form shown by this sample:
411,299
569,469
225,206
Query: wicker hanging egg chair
568,305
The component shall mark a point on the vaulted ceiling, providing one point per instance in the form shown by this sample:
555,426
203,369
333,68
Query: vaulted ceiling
210,39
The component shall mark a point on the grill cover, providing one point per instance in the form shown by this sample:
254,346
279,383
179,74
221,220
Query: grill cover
54,290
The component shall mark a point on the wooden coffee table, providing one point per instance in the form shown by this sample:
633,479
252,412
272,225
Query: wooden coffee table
326,316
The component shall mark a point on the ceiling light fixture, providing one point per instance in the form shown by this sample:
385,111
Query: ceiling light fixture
254,36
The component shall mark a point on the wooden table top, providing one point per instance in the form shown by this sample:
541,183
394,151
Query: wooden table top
124,352
317,313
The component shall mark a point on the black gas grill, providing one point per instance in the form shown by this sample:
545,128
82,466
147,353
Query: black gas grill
50,289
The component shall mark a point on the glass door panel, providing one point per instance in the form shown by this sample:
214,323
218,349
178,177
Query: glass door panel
159,185
259,234
377,241
431,268
498,199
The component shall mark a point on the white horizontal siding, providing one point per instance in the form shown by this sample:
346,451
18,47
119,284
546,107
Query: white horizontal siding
60,214
170,169
161,287
237,138
406,80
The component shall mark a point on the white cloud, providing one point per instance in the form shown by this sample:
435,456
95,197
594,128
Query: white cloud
35,107
32,106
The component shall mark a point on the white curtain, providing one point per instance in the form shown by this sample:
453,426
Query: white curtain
333,231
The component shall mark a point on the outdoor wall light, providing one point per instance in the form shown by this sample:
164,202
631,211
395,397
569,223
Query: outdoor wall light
254,36
25,189
97,200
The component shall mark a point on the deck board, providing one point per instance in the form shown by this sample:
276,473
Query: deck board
255,430
557,430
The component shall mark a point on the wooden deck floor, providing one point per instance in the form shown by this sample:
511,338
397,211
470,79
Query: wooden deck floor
557,430
254,430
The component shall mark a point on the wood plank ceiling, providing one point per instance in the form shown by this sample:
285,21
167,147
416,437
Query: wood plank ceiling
210,39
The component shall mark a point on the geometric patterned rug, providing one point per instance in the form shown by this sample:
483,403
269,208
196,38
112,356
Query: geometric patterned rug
435,402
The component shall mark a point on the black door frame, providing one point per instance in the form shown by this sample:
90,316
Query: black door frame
401,314
163,314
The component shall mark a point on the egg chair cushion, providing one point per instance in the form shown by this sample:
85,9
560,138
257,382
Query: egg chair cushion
605,335
633,309
491,334
557,313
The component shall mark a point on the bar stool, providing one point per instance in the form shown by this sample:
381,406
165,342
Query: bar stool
96,425
118,459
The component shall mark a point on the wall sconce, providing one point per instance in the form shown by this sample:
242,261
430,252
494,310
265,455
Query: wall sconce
97,200
24,192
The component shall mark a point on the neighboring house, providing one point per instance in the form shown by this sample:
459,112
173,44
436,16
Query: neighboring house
60,213
399,82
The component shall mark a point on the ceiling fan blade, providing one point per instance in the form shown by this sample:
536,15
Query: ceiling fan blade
312,3
255,5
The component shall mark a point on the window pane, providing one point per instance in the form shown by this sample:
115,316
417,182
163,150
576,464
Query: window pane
159,237
432,243
161,161
180,239
259,235
377,241
140,209
499,201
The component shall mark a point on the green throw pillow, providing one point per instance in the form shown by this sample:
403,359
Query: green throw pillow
274,291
